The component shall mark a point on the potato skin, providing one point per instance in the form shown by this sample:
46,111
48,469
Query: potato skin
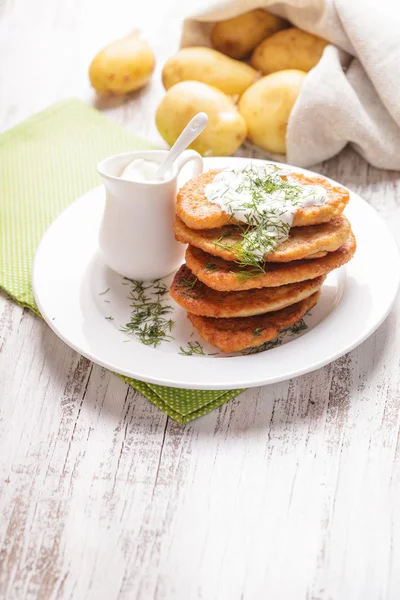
288,49
237,37
266,107
123,66
226,128
208,66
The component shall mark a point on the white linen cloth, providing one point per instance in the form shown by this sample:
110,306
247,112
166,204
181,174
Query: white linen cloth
353,94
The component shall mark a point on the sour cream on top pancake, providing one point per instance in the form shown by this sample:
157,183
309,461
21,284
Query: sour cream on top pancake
264,198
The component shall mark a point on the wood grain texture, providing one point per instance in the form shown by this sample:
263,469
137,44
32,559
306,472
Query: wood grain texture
291,491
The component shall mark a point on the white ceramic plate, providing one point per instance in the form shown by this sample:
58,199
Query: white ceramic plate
70,283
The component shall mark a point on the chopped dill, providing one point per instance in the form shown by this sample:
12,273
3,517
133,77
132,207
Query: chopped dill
255,271
105,292
149,322
220,244
290,331
194,348
265,227
298,327
188,283
265,346
258,331
210,267
109,318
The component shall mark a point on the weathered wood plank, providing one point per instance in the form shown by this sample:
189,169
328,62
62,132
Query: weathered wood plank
290,491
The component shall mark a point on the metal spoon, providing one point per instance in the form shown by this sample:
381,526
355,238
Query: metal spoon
190,133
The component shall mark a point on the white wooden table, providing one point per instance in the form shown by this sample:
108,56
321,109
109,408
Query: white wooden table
291,491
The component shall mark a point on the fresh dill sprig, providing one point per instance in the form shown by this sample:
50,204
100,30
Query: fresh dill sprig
194,348
290,331
258,331
263,347
297,327
210,267
227,233
264,228
148,321
189,284
256,271
232,245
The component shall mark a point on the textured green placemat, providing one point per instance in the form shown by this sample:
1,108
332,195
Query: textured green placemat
47,162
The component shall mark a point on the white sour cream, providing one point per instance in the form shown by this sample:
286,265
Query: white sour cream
269,208
141,170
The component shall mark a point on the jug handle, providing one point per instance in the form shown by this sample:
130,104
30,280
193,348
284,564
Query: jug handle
186,157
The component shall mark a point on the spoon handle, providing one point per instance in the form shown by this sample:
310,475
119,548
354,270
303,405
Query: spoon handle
190,133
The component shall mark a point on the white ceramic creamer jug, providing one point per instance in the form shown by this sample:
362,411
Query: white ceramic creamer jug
136,233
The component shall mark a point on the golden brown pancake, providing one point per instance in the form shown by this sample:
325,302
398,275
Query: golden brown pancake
198,213
233,335
222,275
303,242
198,299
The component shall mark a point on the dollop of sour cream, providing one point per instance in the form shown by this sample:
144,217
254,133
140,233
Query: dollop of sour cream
142,170
258,196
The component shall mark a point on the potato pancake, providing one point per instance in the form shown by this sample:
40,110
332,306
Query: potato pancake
303,242
222,275
233,335
198,299
197,212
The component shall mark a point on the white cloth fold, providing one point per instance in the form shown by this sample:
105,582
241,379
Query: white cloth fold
353,94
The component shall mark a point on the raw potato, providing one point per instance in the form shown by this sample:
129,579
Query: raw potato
209,66
266,107
226,128
237,37
288,49
123,66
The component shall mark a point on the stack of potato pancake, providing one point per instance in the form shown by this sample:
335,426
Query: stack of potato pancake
234,305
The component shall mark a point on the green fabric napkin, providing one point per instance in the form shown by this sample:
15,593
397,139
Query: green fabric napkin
47,162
